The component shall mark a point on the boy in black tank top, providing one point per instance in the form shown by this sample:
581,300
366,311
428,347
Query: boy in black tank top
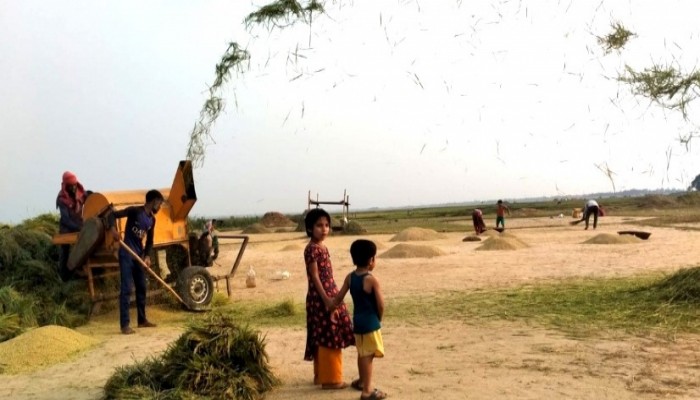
367,316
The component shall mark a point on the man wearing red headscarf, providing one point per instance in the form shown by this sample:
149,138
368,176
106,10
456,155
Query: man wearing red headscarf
69,202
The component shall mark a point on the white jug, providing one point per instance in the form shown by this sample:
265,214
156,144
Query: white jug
250,279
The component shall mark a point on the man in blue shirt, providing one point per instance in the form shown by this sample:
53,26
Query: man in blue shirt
140,223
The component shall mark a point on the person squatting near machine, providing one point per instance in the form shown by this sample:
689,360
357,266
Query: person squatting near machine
140,224
208,244
69,202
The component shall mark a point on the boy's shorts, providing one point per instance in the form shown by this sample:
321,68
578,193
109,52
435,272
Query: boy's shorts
370,344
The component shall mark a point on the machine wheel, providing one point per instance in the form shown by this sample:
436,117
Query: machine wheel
196,287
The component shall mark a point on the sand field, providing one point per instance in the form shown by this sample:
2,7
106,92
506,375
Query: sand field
477,359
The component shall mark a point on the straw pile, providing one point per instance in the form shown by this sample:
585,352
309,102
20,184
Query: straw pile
609,238
404,250
257,228
416,234
41,347
215,358
31,291
681,287
471,238
502,242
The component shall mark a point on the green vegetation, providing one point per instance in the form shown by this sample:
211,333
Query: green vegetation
580,307
649,304
31,291
617,39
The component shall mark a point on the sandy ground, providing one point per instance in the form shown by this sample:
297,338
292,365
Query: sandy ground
451,360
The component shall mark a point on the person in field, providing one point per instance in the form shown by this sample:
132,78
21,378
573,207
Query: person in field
501,211
328,329
69,202
140,225
368,304
478,221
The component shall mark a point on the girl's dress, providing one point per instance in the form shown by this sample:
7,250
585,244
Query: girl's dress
325,337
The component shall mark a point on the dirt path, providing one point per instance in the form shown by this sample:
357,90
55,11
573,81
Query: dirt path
451,360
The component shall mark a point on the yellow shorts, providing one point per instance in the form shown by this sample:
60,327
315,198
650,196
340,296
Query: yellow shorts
370,344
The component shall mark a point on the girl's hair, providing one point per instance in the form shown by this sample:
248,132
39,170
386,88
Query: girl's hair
312,217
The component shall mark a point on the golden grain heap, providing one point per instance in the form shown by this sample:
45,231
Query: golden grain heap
41,347
503,241
609,238
405,250
274,219
416,234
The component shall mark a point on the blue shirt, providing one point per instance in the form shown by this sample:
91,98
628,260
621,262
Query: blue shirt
365,317
139,224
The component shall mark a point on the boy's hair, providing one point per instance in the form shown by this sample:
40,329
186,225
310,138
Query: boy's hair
153,195
362,250
312,217
499,202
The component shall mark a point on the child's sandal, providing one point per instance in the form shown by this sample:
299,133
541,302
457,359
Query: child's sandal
376,395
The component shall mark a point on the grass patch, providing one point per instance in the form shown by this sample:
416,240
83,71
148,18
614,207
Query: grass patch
580,307
650,304
284,313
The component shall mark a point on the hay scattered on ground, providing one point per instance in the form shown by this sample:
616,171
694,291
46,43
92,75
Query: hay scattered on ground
274,219
471,238
257,228
682,286
503,242
41,347
404,250
609,238
416,234
292,247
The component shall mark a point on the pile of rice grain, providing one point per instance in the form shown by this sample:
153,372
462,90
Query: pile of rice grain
416,234
275,219
609,238
502,242
471,238
404,250
41,347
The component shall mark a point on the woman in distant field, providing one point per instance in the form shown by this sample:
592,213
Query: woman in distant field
478,220
328,329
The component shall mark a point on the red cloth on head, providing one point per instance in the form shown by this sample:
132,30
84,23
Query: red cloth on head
69,178
75,204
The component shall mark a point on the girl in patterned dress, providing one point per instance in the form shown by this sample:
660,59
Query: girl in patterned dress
328,329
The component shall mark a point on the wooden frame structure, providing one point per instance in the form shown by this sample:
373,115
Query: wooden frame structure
345,202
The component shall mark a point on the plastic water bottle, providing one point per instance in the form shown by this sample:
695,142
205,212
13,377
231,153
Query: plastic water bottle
250,279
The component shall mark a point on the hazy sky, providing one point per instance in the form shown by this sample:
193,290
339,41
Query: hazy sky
399,102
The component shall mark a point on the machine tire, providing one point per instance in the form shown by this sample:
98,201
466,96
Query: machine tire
196,287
